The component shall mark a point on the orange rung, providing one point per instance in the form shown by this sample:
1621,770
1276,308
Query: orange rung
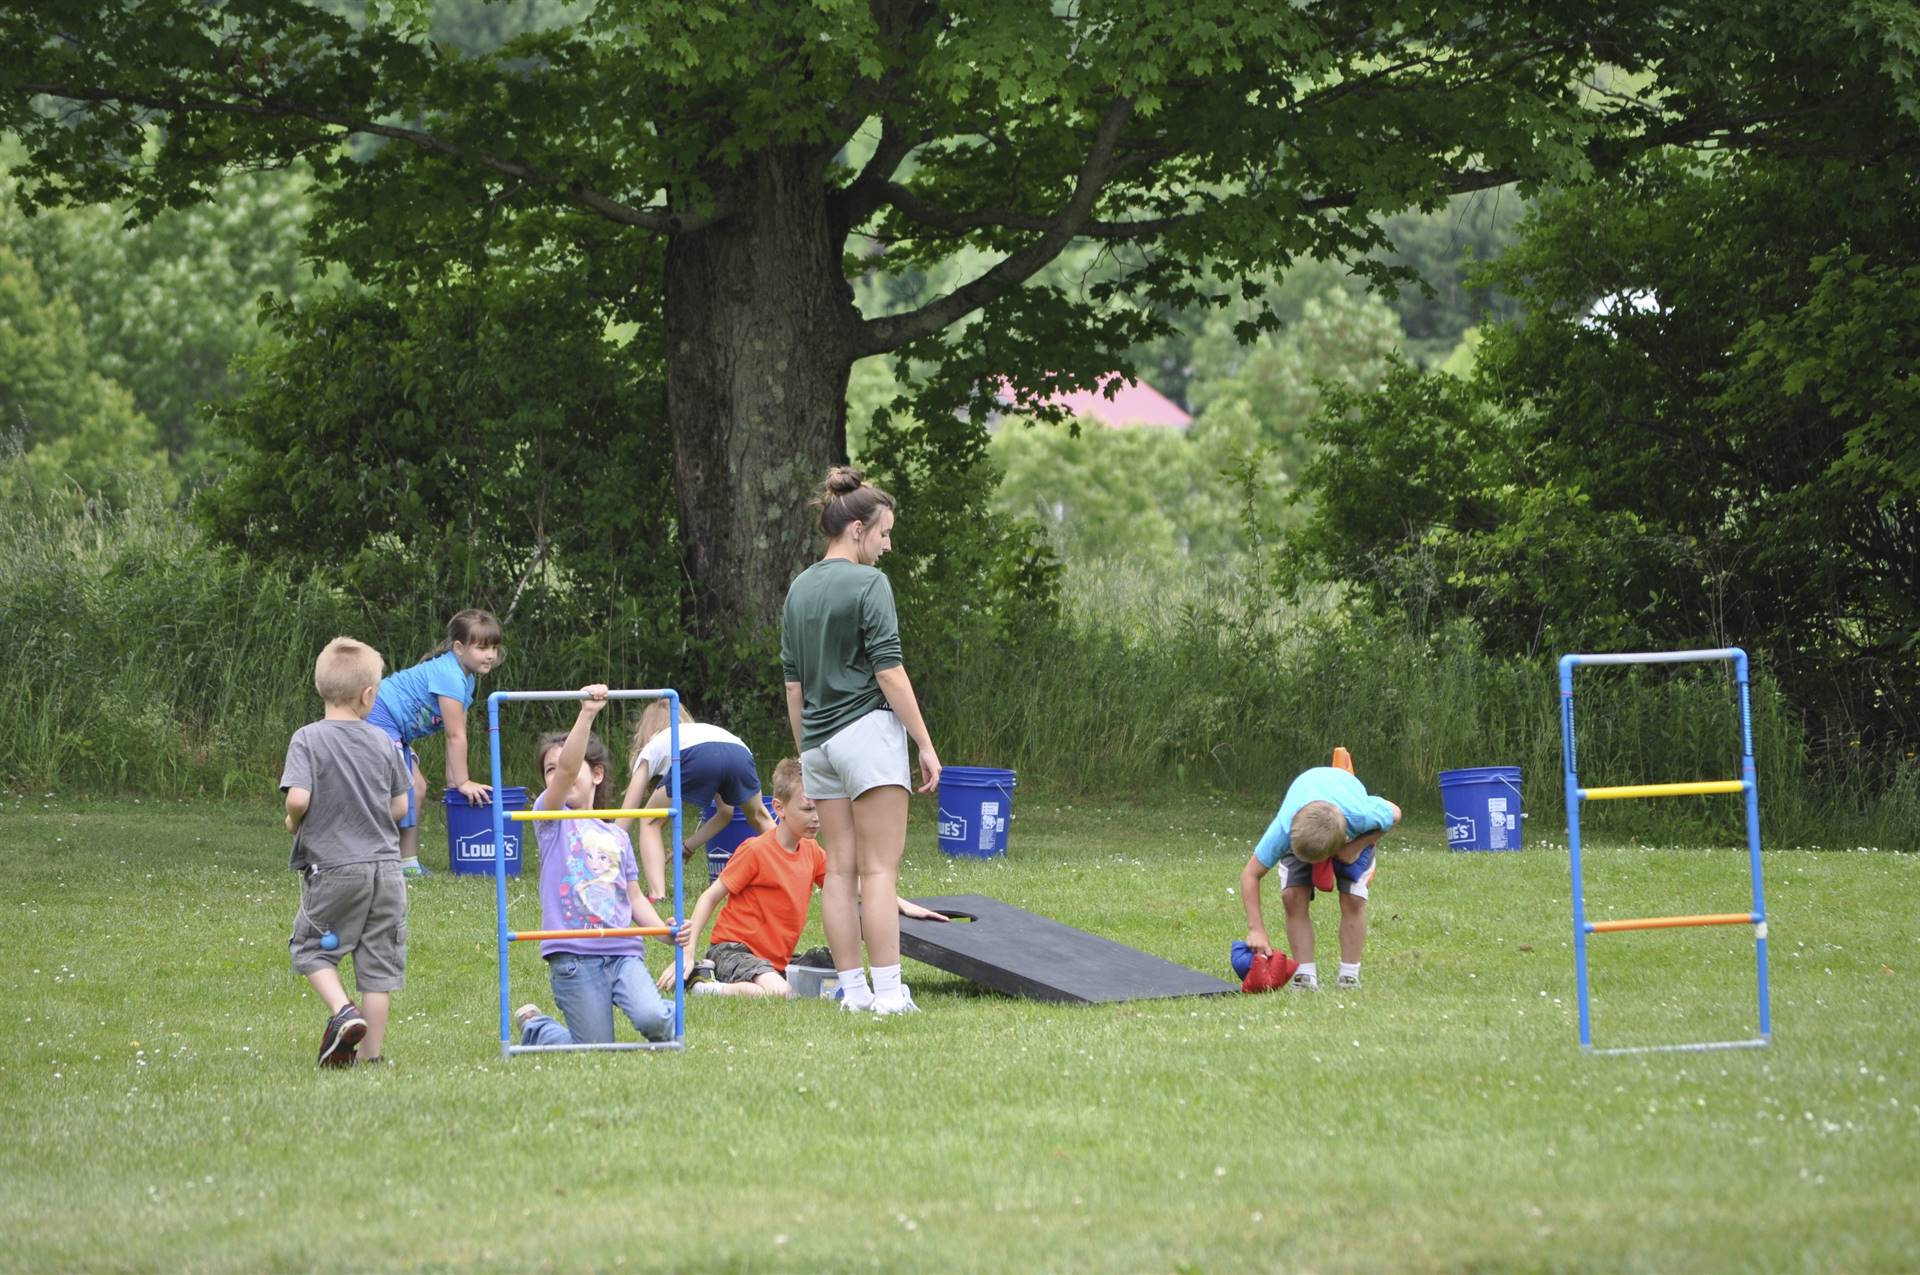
1673,922
612,932
1342,759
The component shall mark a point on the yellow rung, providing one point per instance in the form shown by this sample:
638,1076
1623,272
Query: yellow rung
1673,922
527,816
1701,788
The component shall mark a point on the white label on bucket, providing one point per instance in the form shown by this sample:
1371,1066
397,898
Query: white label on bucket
989,818
952,827
1459,832
478,848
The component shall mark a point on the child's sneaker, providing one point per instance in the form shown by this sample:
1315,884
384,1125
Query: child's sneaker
895,1004
1304,982
1347,982
525,1012
342,1035
699,972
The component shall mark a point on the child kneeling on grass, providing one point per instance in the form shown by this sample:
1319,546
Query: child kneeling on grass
346,790
588,880
1327,813
766,888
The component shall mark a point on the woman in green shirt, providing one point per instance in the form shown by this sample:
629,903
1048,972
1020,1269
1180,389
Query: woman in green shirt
852,709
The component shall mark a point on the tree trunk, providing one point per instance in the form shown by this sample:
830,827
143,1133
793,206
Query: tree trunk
760,321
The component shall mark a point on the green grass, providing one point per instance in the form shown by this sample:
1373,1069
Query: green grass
165,1112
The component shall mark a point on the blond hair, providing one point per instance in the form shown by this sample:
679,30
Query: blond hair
787,781
652,722
346,667
1317,831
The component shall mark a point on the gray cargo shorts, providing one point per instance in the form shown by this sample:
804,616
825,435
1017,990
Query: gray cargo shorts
736,963
365,905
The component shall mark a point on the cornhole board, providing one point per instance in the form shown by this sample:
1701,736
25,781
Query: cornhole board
1021,953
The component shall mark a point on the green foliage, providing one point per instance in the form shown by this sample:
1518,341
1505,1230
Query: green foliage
454,441
1718,452
1204,146
76,432
167,306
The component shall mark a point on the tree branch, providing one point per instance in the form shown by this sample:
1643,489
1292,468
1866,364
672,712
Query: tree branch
877,336
869,190
576,191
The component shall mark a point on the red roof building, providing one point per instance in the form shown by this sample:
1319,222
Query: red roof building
1134,405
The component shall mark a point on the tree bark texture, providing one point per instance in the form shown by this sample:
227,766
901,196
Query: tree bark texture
762,320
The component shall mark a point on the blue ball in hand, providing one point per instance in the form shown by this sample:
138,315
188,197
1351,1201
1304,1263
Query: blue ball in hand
329,941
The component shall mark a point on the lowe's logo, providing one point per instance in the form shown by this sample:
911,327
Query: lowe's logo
1459,830
478,848
952,827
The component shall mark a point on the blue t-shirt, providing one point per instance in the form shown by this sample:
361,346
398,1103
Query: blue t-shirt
1365,812
410,699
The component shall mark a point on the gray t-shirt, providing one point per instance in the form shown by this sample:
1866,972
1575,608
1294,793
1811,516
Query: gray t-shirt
839,629
354,772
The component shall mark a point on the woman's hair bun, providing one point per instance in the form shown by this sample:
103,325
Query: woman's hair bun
843,480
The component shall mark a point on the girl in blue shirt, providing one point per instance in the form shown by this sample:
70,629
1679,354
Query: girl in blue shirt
433,696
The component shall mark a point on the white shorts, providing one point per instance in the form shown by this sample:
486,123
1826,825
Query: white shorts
871,753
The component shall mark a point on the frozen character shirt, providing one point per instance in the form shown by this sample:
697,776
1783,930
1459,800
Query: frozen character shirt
586,866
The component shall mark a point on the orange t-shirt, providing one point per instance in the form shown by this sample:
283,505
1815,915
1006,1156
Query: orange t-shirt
768,892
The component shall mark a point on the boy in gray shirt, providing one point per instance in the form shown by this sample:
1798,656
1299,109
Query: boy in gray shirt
346,791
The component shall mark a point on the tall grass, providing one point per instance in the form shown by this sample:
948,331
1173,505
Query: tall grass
137,657
1199,682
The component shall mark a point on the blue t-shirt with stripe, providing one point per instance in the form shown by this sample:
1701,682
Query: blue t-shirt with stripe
1364,812
410,699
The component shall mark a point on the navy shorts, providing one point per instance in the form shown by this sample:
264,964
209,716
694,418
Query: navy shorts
1349,878
720,770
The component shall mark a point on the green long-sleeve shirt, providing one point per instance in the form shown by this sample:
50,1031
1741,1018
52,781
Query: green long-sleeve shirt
838,630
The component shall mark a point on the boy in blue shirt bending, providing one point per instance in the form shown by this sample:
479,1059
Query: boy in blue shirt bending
1326,814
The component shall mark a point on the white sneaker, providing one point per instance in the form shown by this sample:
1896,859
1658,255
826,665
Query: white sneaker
1347,982
901,1004
858,1002
521,1015
1304,982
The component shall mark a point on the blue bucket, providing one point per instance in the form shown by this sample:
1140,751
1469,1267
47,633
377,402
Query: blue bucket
976,804
470,832
1483,807
724,842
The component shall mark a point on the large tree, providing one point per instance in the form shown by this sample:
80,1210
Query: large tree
688,158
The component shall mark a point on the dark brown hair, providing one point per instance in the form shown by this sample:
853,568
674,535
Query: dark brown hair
848,498
471,627
597,755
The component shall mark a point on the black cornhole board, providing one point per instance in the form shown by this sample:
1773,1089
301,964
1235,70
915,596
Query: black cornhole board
1020,953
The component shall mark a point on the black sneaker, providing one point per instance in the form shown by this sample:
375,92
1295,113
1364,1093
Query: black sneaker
700,972
342,1036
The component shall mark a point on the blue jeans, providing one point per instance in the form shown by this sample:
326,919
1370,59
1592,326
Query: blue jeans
585,990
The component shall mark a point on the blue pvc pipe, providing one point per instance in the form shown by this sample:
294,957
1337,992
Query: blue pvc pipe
1570,778
507,1047
1751,789
500,866
1750,775
679,911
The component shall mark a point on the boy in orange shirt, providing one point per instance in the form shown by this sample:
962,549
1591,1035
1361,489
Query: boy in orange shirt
767,887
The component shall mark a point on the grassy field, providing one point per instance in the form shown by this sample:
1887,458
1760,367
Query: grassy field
165,1112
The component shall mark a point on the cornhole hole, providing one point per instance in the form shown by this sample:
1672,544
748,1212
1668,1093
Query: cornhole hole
1021,953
